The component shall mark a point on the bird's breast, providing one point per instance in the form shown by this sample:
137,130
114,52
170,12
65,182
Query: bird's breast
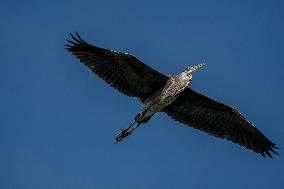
163,97
168,94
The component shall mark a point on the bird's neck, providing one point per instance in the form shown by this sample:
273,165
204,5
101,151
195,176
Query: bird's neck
185,79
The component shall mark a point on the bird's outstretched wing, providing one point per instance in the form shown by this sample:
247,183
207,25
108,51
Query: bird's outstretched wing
122,71
220,120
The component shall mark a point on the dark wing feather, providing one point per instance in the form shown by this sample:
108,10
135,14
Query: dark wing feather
220,120
122,71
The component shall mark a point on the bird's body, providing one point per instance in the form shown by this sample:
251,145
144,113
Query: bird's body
165,96
170,94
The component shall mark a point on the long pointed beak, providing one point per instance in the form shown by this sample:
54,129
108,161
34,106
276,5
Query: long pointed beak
197,67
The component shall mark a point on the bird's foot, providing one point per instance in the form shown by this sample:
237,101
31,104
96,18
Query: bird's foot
121,135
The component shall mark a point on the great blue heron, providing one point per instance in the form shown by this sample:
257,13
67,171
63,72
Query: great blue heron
169,94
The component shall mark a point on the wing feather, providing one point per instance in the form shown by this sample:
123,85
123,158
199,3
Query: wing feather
220,120
122,71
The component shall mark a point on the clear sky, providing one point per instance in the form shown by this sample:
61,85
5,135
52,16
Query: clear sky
58,120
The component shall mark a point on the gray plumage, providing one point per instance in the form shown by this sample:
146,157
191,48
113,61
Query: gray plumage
169,94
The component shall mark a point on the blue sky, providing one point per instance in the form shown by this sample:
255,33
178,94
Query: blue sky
58,121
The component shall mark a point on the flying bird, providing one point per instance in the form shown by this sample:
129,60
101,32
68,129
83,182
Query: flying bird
170,94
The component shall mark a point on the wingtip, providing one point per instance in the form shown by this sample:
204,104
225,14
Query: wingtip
274,148
77,34
269,152
75,40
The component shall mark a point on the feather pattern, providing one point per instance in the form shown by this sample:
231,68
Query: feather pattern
122,71
220,120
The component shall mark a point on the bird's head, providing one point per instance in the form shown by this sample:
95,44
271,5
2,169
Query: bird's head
187,73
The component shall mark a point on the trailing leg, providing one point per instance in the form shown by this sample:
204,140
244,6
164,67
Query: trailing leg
125,132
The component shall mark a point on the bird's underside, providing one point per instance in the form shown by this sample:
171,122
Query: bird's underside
133,78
